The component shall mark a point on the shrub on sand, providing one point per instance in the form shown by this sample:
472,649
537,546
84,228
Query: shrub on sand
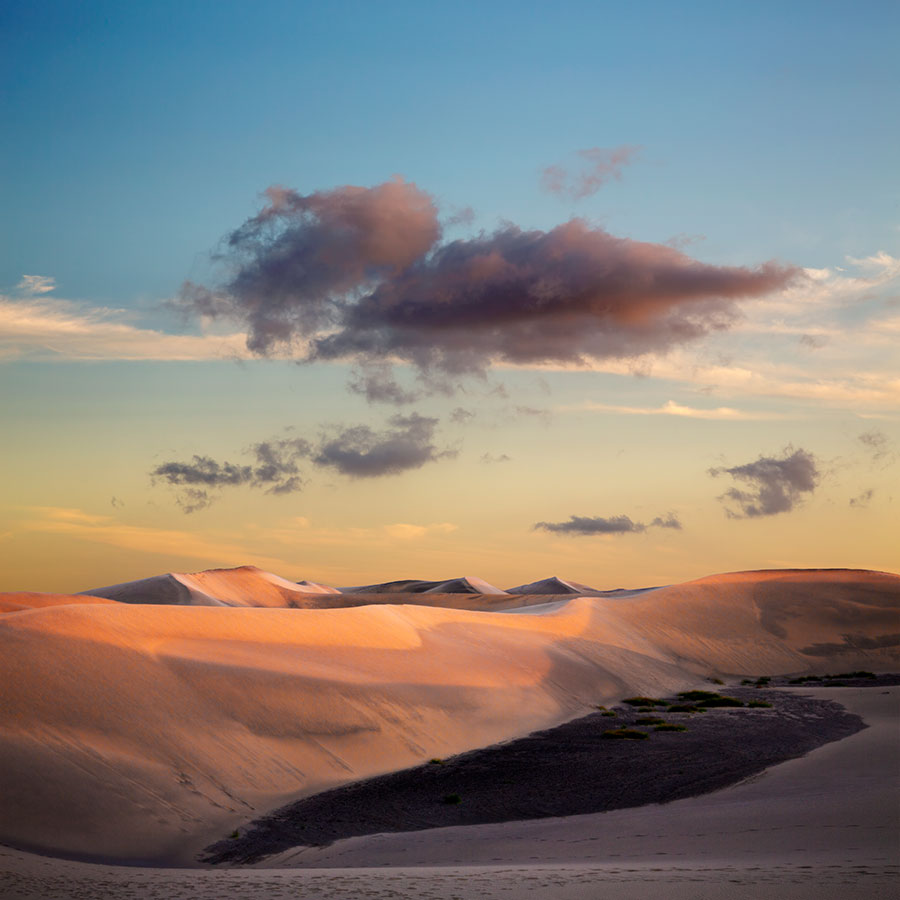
698,695
670,726
759,704
643,701
650,721
713,702
452,799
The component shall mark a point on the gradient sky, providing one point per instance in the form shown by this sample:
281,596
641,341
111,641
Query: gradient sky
605,445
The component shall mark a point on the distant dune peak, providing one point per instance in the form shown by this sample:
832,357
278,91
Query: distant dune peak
238,586
553,585
467,584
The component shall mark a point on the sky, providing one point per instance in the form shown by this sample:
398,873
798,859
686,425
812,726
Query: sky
357,292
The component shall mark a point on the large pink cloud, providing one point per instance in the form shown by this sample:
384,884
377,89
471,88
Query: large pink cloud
360,274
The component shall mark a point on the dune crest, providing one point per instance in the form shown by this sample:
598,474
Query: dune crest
241,586
467,584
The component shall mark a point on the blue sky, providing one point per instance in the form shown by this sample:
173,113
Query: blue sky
137,135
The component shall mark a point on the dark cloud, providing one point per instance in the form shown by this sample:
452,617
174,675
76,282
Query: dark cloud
115,502
773,485
274,469
361,452
357,451
863,499
359,274
670,520
590,525
295,260
567,295
203,470
813,341
603,163
490,458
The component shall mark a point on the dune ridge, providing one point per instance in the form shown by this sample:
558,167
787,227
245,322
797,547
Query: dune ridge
142,731
467,584
241,586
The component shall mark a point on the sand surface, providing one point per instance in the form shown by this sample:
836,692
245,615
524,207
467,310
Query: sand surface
563,771
144,732
821,827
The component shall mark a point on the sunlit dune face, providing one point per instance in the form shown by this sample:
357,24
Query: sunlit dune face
22,600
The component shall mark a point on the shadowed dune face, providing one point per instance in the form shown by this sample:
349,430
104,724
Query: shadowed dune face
139,731
468,584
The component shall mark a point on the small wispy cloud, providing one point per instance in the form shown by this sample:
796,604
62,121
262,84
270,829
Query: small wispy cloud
599,525
598,166
862,500
879,446
671,408
491,458
40,327
36,284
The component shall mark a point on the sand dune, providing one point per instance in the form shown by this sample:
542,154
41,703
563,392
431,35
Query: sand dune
137,731
562,586
22,600
242,586
468,584
313,587
554,585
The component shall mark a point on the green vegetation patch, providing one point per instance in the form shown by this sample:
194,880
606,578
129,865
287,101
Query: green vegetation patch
698,695
685,708
452,799
670,726
714,702
643,701
650,721
625,734
759,704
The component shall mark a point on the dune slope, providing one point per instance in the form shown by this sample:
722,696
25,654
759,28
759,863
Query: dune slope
142,732
241,586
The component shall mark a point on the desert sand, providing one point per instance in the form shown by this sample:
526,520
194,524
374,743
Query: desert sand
143,725
821,827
